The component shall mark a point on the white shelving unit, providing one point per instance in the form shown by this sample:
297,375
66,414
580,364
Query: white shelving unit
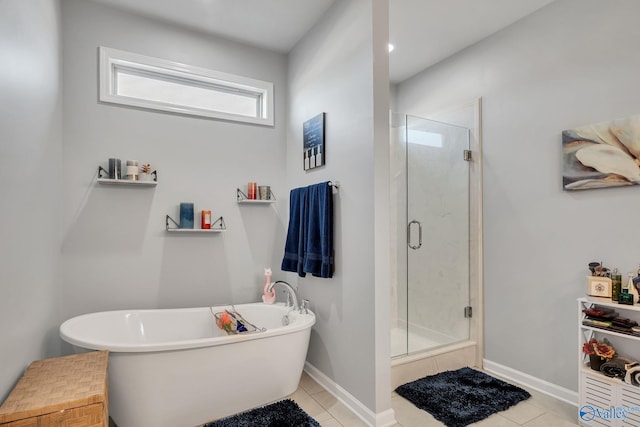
601,397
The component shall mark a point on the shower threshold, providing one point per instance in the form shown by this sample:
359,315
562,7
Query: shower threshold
418,340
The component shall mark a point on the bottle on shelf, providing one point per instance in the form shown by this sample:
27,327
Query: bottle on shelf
206,220
616,285
625,296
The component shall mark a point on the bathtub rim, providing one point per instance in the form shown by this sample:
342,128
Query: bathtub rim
303,322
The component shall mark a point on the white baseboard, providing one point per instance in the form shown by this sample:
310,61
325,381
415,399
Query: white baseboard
560,393
382,419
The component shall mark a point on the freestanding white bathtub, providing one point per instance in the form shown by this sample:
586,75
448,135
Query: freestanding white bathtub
175,367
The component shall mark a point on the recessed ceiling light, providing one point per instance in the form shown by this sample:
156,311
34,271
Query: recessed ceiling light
391,47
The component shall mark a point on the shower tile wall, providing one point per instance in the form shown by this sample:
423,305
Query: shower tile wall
439,284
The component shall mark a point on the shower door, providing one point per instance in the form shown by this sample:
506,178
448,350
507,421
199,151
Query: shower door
436,297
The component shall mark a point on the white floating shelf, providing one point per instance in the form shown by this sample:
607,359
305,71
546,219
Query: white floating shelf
242,198
255,202
109,181
218,226
195,230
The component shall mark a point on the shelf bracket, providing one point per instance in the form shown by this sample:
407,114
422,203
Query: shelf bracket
240,195
218,224
167,225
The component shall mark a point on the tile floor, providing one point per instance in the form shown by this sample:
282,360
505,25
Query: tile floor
538,411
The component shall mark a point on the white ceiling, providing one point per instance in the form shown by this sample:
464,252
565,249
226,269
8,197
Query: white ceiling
272,24
423,31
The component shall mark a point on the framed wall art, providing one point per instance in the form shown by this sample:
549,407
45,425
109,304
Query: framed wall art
605,154
313,142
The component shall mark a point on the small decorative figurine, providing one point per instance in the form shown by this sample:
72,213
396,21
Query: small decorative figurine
268,297
636,284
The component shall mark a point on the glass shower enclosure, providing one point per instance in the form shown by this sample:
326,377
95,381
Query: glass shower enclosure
430,234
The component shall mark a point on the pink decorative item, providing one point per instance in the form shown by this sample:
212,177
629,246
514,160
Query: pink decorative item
268,297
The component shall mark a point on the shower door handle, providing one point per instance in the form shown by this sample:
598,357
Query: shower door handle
419,245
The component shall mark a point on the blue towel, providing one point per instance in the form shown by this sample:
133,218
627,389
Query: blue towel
294,246
309,244
318,253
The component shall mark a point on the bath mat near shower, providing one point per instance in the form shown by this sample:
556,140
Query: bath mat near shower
462,397
285,413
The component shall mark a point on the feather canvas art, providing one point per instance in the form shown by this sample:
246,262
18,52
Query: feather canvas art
605,154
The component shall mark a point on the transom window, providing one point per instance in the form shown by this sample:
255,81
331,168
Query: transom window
141,81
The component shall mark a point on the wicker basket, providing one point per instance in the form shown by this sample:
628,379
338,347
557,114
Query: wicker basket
69,390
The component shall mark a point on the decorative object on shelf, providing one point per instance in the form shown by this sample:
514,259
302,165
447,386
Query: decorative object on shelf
145,173
617,367
599,286
241,197
186,215
632,376
593,266
217,226
598,352
595,362
599,283
115,169
629,293
252,190
264,192
616,285
599,270
268,297
132,170
602,155
625,298
313,142
634,287
205,222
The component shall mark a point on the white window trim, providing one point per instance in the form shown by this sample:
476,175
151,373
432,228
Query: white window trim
110,59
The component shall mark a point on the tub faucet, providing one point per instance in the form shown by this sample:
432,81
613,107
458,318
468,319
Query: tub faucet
292,298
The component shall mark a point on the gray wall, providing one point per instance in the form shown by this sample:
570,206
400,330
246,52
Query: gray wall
30,158
111,251
115,251
569,64
104,247
331,71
